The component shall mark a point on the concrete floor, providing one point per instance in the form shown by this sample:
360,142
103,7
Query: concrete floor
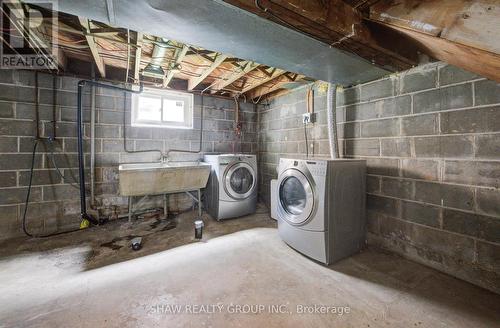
92,279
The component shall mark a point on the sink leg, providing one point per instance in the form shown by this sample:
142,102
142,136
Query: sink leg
199,203
165,205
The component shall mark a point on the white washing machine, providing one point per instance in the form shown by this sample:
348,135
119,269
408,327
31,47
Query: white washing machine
320,206
232,187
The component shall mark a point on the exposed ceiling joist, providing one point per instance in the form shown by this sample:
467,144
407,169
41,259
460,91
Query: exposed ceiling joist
264,70
274,74
106,31
461,32
179,58
206,54
232,77
93,46
221,27
138,54
192,83
273,85
41,42
219,72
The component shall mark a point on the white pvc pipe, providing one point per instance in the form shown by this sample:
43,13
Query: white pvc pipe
331,107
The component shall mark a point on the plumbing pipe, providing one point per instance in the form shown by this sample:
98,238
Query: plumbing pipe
331,107
201,134
125,133
81,168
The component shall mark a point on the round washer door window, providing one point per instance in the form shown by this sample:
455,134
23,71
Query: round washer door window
239,180
293,196
296,198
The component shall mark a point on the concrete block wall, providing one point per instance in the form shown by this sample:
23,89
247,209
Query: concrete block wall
55,202
431,138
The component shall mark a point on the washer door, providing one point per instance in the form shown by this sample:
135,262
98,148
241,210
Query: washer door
239,180
296,197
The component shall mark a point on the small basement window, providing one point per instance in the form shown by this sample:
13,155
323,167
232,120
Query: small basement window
162,108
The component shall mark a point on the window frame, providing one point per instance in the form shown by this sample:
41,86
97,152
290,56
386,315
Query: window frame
187,98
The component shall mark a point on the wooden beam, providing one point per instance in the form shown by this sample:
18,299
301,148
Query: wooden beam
277,72
265,70
460,32
41,41
233,76
179,58
471,23
271,86
219,59
93,46
138,54
107,30
471,59
336,24
204,53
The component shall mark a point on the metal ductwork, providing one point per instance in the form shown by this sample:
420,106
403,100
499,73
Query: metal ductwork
154,69
218,26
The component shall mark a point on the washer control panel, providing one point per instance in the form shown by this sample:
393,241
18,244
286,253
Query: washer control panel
317,168
225,161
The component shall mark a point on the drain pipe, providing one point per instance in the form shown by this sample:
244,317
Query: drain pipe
92,143
331,108
81,168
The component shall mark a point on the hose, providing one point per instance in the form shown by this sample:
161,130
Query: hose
25,228
53,161
26,203
33,155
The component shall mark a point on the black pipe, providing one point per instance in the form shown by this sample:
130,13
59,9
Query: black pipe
81,168
37,108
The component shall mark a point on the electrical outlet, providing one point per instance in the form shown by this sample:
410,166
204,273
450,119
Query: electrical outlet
308,118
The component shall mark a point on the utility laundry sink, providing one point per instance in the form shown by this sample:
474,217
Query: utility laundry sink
162,178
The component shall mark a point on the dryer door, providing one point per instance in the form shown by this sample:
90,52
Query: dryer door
239,180
296,197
